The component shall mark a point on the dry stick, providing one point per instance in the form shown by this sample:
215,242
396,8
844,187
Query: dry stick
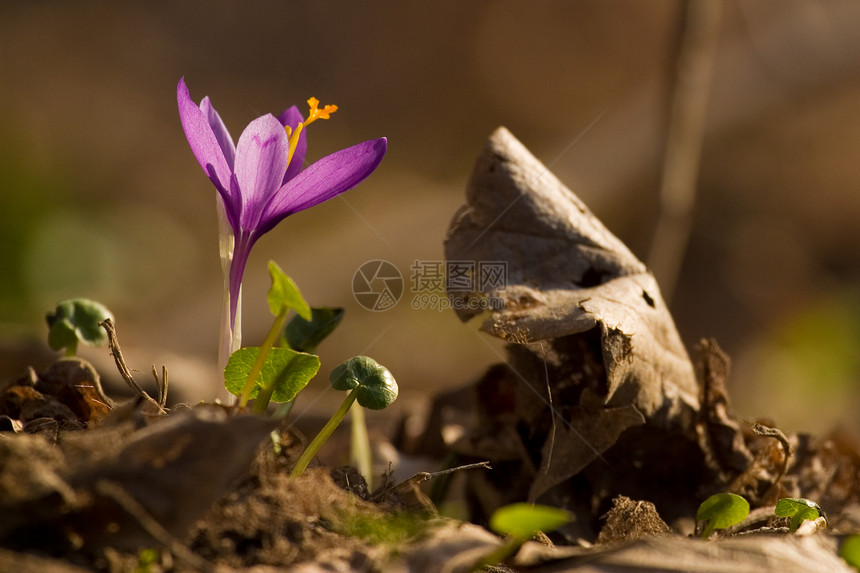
163,398
115,351
421,477
769,432
151,526
553,414
161,385
695,64
424,476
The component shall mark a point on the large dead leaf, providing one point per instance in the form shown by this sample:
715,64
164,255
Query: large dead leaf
666,554
567,274
591,336
108,487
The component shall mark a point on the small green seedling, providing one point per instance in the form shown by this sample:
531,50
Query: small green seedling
269,373
850,550
798,509
368,382
722,510
77,320
282,374
146,560
519,522
305,335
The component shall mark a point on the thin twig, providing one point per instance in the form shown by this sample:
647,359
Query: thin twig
421,477
161,385
163,400
151,525
775,433
695,65
113,343
545,464
424,476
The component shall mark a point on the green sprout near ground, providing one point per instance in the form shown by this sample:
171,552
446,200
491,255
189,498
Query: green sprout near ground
77,320
147,560
368,383
850,550
519,522
269,373
722,510
799,510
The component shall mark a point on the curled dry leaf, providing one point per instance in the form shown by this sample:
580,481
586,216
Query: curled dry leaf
568,274
69,392
591,333
720,434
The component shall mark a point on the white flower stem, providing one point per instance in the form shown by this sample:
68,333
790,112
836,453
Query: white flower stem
230,336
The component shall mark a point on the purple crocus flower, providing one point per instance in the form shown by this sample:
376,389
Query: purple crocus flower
262,179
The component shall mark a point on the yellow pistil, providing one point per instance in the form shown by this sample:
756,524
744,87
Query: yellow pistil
314,114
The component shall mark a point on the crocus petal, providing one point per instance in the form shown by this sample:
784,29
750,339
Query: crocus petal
261,161
220,131
292,117
204,144
324,179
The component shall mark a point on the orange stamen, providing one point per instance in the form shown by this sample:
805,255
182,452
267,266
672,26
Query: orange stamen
314,114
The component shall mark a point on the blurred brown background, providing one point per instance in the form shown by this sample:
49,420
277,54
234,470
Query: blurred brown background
101,197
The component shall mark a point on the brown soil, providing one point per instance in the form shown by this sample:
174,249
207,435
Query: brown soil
91,488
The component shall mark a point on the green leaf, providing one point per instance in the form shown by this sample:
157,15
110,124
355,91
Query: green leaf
292,371
146,559
285,293
722,510
305,335
799,509
850,550
377,388
77,320
523,520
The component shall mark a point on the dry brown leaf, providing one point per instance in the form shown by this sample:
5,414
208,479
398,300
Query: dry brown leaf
576,445
591,339
567,274
668,554
68,392
177,468
106,491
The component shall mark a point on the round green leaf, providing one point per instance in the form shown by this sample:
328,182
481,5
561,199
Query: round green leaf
850,550
77,320
799,509
723,510
290,370
285,293
523,520
378,396
789,506
376,385
306,335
